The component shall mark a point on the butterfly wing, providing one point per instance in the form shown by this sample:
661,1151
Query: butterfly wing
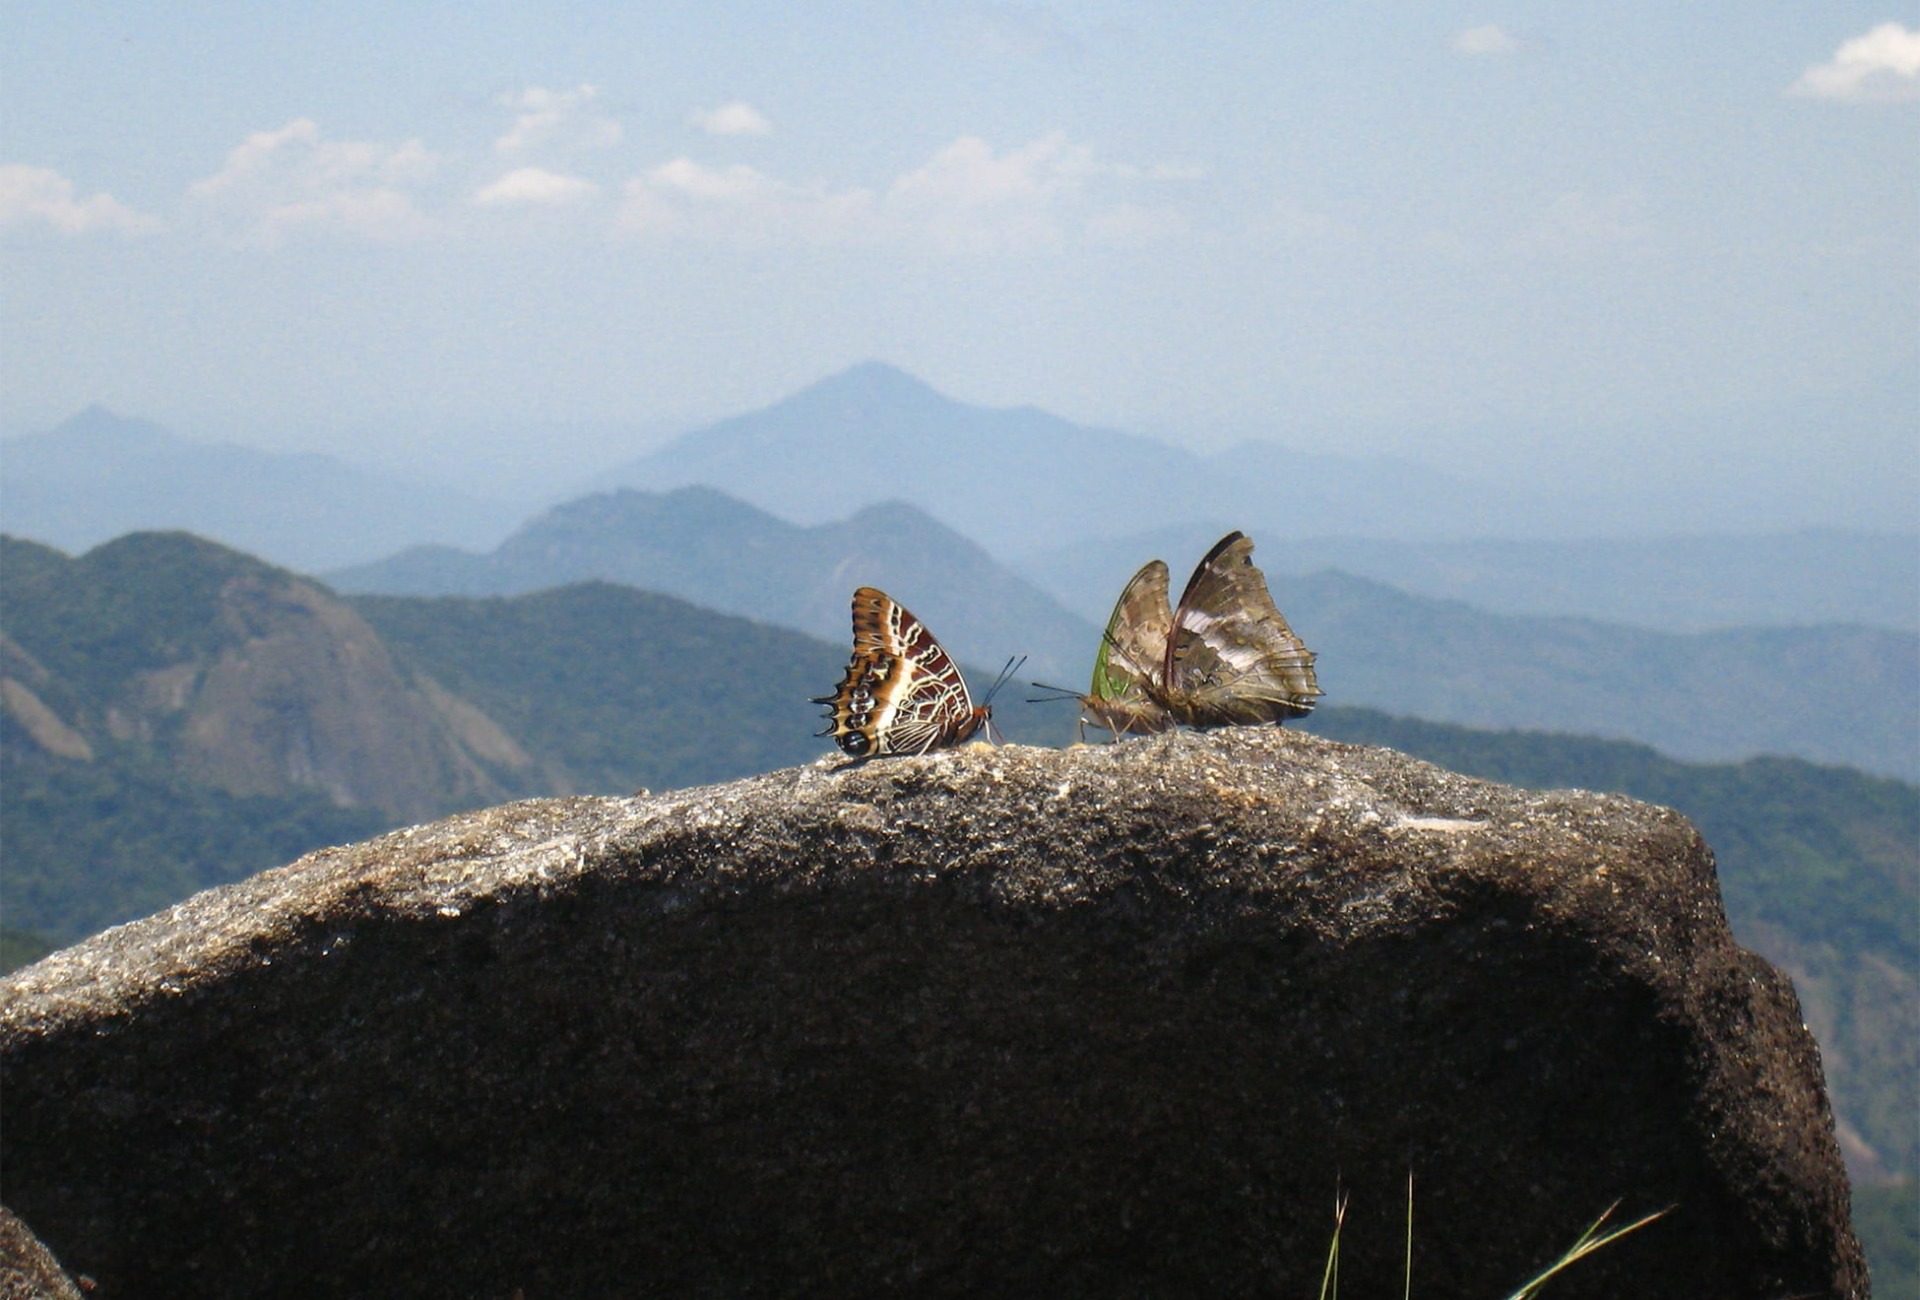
1231,657
902,693
1126,672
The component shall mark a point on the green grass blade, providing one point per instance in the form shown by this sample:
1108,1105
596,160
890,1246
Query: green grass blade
1407,1292
1588,1243
1330,1277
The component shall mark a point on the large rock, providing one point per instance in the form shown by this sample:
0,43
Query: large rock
1118,1021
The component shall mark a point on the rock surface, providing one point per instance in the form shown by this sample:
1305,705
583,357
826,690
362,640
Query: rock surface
1118,1020
28,1270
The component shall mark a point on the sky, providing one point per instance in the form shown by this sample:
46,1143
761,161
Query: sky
506,239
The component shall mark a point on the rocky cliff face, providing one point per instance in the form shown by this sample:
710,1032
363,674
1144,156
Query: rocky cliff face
302,693
239,674
1117,1021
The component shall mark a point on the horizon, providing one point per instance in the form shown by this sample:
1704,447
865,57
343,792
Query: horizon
1526,246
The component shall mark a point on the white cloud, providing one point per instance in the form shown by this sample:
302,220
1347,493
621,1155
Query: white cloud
686,199
535,186
967,198
556,119
1487,40
736,118
967,173
1882,67
278,183
35,195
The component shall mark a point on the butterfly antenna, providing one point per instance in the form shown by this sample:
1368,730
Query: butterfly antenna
1012,667
1059,693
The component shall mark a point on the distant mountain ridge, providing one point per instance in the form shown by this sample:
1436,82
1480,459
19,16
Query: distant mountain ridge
1055,500
1835,695
1058,500
706,547
1846,695
98,476
1020,479
1678,583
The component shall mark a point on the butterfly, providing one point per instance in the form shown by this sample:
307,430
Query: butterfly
1231,657
902,694
1131,661
1224,655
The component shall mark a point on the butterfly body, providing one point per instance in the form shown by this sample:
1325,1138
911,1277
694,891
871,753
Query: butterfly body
902,693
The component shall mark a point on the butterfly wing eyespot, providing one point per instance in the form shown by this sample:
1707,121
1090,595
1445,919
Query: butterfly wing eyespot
902,693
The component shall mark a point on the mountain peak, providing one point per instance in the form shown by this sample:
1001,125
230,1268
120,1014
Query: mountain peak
99,429
869,384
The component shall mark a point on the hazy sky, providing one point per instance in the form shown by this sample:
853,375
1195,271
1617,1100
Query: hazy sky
1458,231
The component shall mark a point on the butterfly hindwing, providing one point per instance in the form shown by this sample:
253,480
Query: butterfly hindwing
1230,656
902,693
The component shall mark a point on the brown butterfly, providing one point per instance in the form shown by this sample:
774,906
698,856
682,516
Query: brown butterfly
1231,657
902,694
1226,655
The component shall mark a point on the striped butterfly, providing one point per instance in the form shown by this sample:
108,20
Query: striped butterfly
902,694
1225,655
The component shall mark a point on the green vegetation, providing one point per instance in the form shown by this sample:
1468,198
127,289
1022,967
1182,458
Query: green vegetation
89,845
1888,1221
20,948
619,689
622,689
140,602
1588,1242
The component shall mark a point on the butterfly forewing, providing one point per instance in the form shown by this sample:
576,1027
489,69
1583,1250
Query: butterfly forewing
902,693
1231,656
